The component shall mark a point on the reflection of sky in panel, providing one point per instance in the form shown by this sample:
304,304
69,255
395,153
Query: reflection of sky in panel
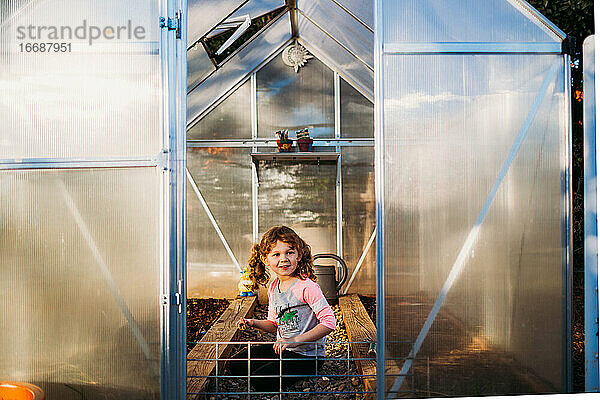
239,66
438,113
483,92
290,100
297,193
356,113
335,55
453,20
361,9
345,29
256,8
231,119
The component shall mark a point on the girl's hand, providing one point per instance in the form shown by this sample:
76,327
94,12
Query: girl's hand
244,323
284,343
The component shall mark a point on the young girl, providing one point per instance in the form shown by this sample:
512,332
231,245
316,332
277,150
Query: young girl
298,311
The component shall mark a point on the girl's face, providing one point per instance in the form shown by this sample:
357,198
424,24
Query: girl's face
283,260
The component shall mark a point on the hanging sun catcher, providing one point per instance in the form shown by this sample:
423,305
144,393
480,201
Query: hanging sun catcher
295,56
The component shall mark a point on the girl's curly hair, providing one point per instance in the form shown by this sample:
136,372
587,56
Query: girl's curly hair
258,270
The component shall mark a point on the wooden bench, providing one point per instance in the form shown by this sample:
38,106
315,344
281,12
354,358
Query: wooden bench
223,330
360,328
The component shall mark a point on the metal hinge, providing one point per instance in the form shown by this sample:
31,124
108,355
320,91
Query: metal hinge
172,24
162,160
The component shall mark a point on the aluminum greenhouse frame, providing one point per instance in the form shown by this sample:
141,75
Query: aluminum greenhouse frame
338,34
472,190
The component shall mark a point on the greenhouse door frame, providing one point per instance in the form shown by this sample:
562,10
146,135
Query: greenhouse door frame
383,49
173,318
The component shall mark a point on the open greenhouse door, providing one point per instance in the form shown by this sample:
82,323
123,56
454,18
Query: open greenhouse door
473,199
92,151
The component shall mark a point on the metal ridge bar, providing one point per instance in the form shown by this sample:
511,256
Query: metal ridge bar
539,18
567,229
379,75
212,219
40,163
473,47
461,259
272,143
590,208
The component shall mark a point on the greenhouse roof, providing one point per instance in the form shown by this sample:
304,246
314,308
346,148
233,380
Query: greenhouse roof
340,33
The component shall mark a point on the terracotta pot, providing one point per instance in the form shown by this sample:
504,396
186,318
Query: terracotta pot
305,144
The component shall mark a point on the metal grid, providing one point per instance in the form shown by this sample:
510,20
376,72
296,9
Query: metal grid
347,385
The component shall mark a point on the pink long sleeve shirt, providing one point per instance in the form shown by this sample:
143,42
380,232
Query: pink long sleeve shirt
299,309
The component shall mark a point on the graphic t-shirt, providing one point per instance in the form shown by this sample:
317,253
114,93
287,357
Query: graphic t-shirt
299,309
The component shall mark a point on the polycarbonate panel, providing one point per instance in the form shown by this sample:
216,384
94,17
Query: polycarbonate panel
590,205
356,113
229,120
346,30
335,56
199,65
450,128
99,96
238,67
80,282
224,178
462,21
360,9
204,15
294,100
358,217
254,9
300,195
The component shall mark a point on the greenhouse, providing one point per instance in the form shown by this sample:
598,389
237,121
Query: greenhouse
423,146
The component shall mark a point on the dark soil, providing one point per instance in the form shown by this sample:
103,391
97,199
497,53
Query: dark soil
201,314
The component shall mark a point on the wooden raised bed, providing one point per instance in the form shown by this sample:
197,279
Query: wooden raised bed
223,330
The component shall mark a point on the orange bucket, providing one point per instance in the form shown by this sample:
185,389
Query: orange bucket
20,391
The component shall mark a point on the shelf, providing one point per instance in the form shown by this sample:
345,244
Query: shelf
296,156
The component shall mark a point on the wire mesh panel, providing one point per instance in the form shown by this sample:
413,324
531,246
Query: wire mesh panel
474,161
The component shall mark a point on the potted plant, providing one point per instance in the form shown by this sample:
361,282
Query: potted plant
284,144
304,140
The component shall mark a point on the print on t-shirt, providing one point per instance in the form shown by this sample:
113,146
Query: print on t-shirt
288,320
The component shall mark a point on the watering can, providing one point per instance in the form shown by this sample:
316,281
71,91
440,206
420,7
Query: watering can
326,276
